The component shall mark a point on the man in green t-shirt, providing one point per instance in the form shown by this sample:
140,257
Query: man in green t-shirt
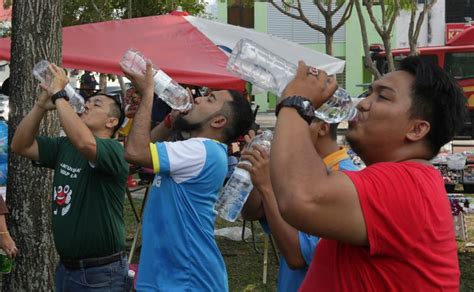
88,187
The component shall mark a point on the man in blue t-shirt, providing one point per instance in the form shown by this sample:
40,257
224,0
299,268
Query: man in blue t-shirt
179,252
297,248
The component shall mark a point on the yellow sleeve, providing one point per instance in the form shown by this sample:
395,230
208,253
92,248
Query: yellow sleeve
155,158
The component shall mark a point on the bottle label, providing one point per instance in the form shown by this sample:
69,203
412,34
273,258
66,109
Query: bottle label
162,80
241,172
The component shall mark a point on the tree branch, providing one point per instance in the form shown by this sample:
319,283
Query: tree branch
365,42
393,17
347,14
426,8
301,16
320,7
384,15
287,5
339,6
411,27
373,19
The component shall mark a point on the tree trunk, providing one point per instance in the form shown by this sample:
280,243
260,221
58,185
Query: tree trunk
36,35
329,41
388,52
411,31
103,82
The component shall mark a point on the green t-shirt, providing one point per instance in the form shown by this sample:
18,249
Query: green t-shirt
87,201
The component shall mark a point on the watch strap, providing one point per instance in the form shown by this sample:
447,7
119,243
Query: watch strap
60,94
303,106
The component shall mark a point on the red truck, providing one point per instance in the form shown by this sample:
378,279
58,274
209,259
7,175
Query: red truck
456,57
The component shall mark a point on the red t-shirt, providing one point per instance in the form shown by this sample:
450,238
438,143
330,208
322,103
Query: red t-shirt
410,231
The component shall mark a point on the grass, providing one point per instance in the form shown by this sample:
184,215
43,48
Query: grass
245,265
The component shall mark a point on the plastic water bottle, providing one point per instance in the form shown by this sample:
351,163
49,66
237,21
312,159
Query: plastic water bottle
166,88
238,187
42,74
271,72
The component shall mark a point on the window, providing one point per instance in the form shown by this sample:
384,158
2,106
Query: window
241,14
460,65
458,9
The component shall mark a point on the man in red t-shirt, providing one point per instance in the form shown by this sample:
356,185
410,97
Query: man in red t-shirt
389,226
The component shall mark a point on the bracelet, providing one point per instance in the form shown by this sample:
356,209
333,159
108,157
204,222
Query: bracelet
167,121
4,232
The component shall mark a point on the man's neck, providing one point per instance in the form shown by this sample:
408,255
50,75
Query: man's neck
201,134
103,134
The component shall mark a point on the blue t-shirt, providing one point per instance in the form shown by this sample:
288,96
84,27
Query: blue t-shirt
290,280
348,164
179,251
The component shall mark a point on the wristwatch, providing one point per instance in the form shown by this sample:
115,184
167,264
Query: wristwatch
303,106
60,94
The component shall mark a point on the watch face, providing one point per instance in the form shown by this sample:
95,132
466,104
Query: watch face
62,93
306,104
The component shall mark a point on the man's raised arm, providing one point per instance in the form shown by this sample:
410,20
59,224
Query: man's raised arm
137,148
24,142
302,186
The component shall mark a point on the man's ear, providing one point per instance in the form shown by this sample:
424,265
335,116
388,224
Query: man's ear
418,130
111,123
324,129
219,122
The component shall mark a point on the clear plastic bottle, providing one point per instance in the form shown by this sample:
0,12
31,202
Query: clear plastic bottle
271,72
166,88
238,187
43,75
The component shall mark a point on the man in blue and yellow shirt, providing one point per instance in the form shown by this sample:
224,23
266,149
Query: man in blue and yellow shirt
179,252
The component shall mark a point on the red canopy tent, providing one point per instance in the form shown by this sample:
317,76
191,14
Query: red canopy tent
190,49
170,41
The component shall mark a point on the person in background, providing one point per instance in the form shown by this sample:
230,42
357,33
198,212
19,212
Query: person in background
296,247
6,241
87,85
389,226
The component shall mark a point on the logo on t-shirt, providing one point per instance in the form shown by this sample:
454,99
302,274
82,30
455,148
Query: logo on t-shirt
62,200
157,181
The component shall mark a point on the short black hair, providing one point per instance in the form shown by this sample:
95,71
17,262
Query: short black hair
436,98
240,116
117,109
